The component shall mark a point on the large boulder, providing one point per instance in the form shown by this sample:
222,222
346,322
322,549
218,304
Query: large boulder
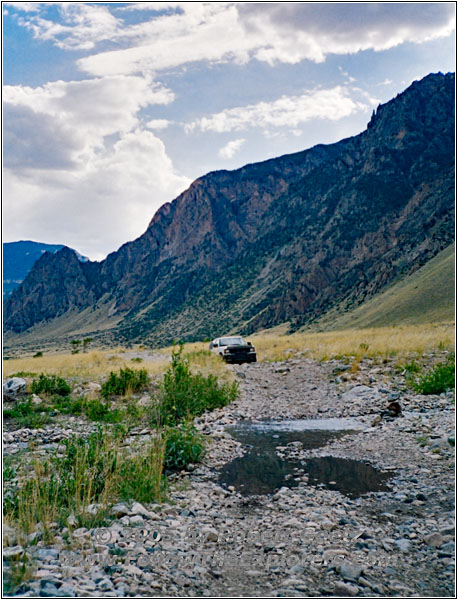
14,387
360,393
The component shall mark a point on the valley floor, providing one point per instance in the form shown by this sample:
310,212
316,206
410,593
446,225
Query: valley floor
300,542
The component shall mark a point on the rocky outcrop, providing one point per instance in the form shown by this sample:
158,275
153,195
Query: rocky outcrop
281,240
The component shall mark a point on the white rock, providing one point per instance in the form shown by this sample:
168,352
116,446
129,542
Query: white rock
14,387
13,552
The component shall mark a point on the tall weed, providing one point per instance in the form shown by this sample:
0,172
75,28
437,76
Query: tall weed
185,395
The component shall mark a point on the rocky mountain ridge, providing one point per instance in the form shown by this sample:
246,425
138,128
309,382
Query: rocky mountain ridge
282,240
19,257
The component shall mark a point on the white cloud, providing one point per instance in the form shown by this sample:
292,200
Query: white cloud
158,124
295,31
78,161
172,34
231,148
99,207
83,26
287,111
73,118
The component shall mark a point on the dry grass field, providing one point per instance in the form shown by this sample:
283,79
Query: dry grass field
402,341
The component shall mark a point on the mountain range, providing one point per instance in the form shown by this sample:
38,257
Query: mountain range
289,239
19,258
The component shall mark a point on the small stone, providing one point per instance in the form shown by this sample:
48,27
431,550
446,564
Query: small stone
13,552
139,509
345,589
403,545
350,571
49,590
210,534
136,520
435,540
119,510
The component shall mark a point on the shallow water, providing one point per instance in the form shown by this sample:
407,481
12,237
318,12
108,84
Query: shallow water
261,471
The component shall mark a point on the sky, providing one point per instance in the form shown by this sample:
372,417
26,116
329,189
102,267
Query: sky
112,109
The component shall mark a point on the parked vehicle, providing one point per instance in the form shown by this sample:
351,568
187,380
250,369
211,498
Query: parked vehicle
234,349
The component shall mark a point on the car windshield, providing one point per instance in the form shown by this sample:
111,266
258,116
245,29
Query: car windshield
232,341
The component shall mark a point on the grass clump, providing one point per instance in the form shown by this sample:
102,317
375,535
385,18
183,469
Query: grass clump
127,381
184,445
185,395
440,379
141,476
96,470
50,384
28,414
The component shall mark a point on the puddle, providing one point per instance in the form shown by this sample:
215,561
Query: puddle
261,471
352,477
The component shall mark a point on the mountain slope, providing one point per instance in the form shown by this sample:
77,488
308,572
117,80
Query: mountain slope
282,240
19,258
426,296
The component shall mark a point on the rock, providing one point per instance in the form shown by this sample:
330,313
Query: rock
350,571
14,387
9,535
13,552
139,509
36,399
345,589
49,590
435,540
144,400
136,520
403,545
210,534
66,591
72,521
360,392
94,509
119,510
333,552
46,554
104,584
94,387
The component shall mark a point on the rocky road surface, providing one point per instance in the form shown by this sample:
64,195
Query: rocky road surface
299,542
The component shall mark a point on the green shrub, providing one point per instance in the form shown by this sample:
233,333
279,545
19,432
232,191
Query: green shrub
23,373
96,410
184,445
50,385
38,354
439,379
128,380
185,395
68,405
412,367
28,414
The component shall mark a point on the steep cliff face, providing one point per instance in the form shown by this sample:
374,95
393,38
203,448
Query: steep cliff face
277,241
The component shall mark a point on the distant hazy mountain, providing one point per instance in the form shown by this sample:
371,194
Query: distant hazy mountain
19,258
285,240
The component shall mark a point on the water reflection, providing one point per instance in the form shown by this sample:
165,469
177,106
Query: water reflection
261,471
